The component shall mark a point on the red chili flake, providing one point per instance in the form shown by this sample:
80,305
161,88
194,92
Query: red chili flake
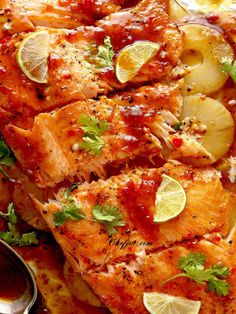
191,243
212,19
71,133
189,174
177,142
216,238
67,76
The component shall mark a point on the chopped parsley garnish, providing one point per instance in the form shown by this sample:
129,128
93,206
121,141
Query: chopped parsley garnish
228,65
13,236
108,216
6,158
70,209
215,276
93,128
106,54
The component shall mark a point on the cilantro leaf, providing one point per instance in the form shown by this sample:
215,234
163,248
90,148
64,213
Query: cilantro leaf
68,212
193,267
6,158
221,287
195,260
90,124
109,216
67,192
106,54
93,128
13,236
28,239
70,209
92,144
228,65
10,215
221,271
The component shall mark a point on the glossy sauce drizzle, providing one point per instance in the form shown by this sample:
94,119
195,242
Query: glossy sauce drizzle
139,201
135,118
12,281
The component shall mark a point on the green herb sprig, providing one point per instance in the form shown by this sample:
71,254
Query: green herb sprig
106,54
93,128
228,65
70,208
108,216
13,236
6,158
215,276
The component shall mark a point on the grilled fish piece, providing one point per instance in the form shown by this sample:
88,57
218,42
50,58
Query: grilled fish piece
25,15
86,243
73,70
121,286
54,135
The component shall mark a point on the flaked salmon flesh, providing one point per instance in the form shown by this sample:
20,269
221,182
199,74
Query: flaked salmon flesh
72,74
86,243
122,285
54,134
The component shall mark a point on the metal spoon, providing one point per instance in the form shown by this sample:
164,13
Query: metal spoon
23,302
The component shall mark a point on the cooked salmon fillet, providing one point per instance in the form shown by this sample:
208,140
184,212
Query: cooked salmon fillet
54,135
72,73
86,243
121,286
24,15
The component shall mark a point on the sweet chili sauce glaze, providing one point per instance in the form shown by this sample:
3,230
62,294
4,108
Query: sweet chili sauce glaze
12,281
135,118
139,201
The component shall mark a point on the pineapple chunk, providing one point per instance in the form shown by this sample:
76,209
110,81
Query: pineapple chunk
217,119
180,8
204,47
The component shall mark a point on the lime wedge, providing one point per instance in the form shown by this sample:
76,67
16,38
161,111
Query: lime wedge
170,199
133,57
161,303
32,56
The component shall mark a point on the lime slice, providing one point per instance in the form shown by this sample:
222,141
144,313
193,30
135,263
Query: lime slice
170,199
133,57
32,56
161,303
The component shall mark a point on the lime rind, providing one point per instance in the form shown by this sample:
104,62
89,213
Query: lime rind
32,56
170,200
140,52
161,303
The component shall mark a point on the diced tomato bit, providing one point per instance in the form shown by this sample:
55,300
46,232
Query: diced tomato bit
177,142
233,270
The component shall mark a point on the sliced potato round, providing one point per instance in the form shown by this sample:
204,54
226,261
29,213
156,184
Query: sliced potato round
218,120
79,288
204,47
